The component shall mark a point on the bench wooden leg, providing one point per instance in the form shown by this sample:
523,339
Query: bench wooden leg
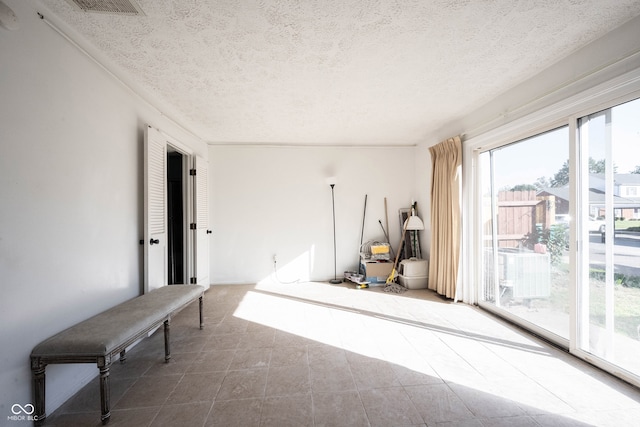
201,316
39,388
105,394
167,347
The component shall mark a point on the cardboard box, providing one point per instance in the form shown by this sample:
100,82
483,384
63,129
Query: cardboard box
376,271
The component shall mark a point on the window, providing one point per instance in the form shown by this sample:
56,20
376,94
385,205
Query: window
609,287
525,217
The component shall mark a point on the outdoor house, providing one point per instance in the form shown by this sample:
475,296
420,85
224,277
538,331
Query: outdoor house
626,200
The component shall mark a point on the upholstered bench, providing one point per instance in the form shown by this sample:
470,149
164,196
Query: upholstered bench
100,338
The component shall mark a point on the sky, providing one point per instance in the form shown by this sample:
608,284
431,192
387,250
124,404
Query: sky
543,155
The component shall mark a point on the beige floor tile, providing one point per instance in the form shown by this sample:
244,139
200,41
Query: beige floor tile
244,412
136,417
389,407
287,411
517,421
582,419
331,377
437,403
182,343
247,358
323,354
338,409
212,361
244,384
374,374
178,364
222,342
187,414
200,387
148,391
134,365
349,357
262,338
485,404
91,419
462,423
289,356
288,380
289,339
416,376
230,325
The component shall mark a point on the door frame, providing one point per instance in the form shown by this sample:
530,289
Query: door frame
188,201
186,210
187,204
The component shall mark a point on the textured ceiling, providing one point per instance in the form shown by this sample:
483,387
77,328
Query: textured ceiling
335,71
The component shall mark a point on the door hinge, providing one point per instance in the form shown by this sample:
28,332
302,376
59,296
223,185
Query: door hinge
193,281
193,226
192,172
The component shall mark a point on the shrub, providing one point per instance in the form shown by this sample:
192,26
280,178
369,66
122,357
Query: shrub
556,239
618,278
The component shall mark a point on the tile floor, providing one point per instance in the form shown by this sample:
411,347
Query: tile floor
316,354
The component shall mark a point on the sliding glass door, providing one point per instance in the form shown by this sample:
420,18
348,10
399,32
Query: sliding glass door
609,288
560,235
525,219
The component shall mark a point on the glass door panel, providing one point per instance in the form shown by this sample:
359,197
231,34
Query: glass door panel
525,222
609,288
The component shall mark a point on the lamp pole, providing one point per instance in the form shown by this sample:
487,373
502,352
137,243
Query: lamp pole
335,280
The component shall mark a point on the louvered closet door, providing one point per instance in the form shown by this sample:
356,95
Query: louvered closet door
201,211
155,210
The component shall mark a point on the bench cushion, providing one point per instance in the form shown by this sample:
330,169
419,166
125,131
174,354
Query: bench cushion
103,333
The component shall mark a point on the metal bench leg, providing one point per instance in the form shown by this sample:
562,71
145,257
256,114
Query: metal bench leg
201,316
39,388
105,390
167,346
123,356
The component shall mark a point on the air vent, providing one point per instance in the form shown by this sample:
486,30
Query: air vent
112,7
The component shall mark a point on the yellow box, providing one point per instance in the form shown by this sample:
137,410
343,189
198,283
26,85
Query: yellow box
380,249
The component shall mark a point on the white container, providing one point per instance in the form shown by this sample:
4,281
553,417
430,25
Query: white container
414,267
413,272
415,282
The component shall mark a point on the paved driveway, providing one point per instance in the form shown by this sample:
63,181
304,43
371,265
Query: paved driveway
626,252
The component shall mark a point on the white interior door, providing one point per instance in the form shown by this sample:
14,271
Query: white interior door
155,212
201,215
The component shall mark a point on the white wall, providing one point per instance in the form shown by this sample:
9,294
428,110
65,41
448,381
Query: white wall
70,199
275,200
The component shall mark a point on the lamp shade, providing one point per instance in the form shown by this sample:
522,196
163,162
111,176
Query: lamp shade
414,223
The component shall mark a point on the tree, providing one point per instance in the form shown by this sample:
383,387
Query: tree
597,166
524,187
636,170
561,178
542,183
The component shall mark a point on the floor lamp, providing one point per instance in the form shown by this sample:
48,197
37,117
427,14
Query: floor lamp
332,182
414,223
